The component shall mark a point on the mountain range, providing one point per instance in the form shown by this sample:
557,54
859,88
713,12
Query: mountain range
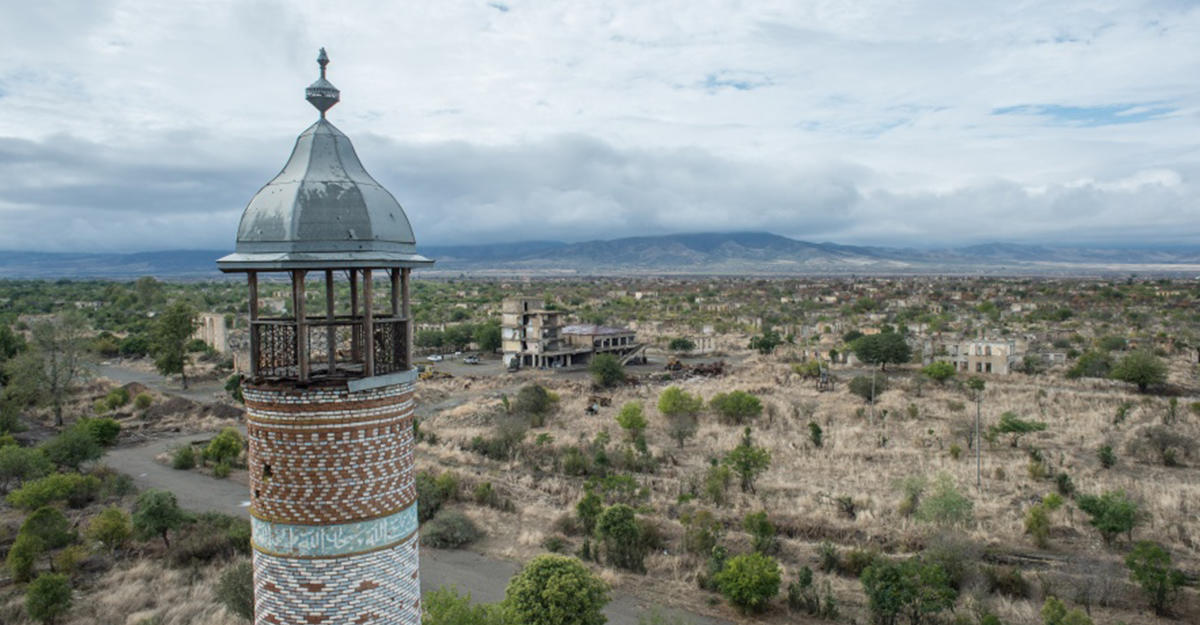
722,253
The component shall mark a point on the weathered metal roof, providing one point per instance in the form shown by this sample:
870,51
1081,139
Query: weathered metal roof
323,209
589,329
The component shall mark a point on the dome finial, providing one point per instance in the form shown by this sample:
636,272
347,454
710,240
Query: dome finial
321,94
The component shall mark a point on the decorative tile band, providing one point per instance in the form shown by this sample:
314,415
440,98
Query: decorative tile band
282,539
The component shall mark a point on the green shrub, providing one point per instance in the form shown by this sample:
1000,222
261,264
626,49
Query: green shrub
225,447
827,554
116,398
555,590
1006,580
69,559
858,560
72,448
749,581
184,458
111,528
102,430
762,532
1107,458
20,464
606,370
535,403
945,505
588,510
737,406
75,489
748,461
429,496
444,606
621,536
1065,485
868,387
156,514
674,401
555,544
1113,513
716,483
22,556
142,401
910,587
701,531
631,419
449,529
50,526
1010,423
221,470
815,434
48,597
209,537
235,590
939,371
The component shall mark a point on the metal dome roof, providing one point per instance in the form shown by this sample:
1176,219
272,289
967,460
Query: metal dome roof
323,210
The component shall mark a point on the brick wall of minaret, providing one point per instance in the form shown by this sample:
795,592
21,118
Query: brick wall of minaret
333,504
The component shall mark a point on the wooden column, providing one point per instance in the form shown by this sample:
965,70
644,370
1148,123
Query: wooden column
354,348
331,332
406,312
301,323
252,279
394,276
368,326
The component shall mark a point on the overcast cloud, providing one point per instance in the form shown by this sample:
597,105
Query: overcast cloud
140,125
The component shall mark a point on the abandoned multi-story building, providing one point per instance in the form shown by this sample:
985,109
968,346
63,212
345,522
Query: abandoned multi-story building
533,335
983,355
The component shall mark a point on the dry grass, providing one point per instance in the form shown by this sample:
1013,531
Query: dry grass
861,459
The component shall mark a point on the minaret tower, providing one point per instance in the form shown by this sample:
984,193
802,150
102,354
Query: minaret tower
329,396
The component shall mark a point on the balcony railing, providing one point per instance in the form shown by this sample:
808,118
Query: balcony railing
328,348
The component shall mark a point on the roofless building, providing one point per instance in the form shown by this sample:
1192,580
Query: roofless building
329,399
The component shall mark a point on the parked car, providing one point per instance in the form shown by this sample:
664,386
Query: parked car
471,360
435,357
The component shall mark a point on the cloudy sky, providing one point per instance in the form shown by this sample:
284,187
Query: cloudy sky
144,125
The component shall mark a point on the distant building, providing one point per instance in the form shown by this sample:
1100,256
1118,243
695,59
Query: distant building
210,328
983,356
533,336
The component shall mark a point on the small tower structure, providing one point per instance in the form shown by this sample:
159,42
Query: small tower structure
329,395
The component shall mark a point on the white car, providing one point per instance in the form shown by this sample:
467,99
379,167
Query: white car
435,358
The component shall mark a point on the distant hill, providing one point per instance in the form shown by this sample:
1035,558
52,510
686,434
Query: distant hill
719,253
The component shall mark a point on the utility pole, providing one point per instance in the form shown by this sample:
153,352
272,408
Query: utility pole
872,397
976,384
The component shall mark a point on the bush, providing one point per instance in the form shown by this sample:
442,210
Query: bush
535,403
209,537
1141,368
861,385
69,559
911,587
235,590
142,401
225,447
77,490
857,561
429,496
749,581
1010,423
681,344
221,470
184,458
828,556
20,464
1106,456
945,505
1094,364
1150,566
701,531
72,448
111,528
104,430
444,606
1113,513
762,533
48,597
815,434
450,529
674,401
606,370
22,556
748,461
50,526
621,535
737,406
939,371
555,590
1006,580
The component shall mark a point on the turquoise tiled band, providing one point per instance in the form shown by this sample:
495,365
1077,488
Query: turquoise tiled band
332,540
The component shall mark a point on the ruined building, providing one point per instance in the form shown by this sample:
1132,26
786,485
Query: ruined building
329,395
533,335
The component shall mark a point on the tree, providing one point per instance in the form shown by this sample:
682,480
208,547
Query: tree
618,530
939,371
606,370
1094,364
555,590
48,597
676,401
749,581
1150,566
50,526
766,342
445,606
236,589
736,406
748,461
1010,423
1112,512
868,387
911,587
111,528
22,556
157,513
18,464
882,349
681,344
681,427
169,337
487,336
1141,368
631,419
45,373
588,509
535,402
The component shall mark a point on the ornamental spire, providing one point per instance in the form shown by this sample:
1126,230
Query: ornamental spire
322,94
